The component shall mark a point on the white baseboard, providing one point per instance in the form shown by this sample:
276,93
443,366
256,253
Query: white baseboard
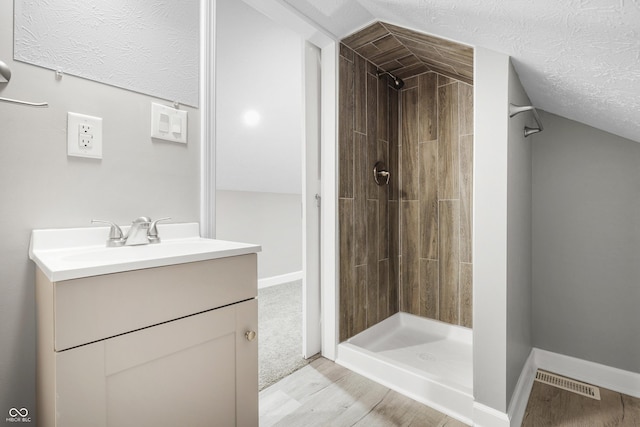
520,396
615,379
279,280
485,416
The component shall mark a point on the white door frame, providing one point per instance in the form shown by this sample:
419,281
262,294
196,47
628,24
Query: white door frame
282,13
311,200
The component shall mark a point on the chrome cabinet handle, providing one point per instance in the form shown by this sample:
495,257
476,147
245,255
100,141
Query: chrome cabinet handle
250,335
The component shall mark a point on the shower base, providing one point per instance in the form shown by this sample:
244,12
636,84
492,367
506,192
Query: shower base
426,360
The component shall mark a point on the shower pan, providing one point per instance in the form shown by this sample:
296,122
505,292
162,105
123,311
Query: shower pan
427,360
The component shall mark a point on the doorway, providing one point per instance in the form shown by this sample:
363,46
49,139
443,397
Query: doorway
267,161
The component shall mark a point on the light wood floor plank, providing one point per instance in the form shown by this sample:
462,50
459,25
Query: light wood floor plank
326,394
396,410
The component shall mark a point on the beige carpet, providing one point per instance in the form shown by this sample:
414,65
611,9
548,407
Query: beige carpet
279,332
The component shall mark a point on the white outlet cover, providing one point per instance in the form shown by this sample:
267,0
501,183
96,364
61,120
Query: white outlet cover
74,147
168,123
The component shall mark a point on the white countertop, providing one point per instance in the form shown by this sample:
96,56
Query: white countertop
72,253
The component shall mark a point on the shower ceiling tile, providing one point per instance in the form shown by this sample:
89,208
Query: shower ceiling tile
412,70
408,53
455,48
408,60
390,55
368,50
371,33
394,65
387,43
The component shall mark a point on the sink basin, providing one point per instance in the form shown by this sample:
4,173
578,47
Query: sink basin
65,254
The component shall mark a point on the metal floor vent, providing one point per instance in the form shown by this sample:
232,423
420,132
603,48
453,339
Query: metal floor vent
568,384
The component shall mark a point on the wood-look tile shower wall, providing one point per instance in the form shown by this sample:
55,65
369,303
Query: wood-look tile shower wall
436,194
405,247
368,219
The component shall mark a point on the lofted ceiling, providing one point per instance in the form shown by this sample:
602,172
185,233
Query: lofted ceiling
579,59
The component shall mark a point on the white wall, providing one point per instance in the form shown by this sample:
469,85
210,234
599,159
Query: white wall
149,47
490,228
273,220
586,246
259,167
41,187
502,233
259,68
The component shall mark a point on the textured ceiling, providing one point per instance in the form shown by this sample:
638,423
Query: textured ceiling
579,59
407,53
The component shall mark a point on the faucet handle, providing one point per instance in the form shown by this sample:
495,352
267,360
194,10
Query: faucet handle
116,238
153,230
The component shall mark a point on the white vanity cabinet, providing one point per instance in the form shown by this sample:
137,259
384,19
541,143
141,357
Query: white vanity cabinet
164,346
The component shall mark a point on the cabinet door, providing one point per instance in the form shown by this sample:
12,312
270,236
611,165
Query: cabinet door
196,371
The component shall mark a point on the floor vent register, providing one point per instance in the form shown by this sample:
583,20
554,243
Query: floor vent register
568,384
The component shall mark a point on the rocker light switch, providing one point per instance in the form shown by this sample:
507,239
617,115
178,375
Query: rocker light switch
176,125
163,126
169,124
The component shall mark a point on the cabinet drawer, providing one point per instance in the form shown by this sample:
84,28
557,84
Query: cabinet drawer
95,308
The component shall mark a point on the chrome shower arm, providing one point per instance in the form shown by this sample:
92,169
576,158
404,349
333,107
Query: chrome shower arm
517,109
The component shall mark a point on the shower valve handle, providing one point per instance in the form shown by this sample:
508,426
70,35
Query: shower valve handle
380,175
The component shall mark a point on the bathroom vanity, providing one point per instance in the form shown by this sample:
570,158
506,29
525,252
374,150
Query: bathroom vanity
153,335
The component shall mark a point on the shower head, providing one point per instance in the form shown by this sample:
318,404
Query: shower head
395,80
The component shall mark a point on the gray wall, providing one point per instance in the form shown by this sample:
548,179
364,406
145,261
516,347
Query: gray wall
41,187
519,339
586,245
272,220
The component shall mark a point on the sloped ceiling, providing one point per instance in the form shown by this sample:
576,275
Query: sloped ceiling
579,59
407,53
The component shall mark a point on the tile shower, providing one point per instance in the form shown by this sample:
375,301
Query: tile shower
406,247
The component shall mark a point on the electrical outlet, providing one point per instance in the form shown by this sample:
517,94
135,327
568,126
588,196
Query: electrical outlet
85,128
84,136
85,141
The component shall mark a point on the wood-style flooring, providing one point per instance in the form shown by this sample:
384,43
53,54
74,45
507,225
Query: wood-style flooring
552,406
326,394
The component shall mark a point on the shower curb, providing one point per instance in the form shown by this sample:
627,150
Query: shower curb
445,399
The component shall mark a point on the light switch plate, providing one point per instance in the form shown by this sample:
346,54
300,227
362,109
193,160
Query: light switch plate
168,123
84,136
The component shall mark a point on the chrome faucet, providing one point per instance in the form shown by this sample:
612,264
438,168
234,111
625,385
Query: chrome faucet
138,232
142,232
